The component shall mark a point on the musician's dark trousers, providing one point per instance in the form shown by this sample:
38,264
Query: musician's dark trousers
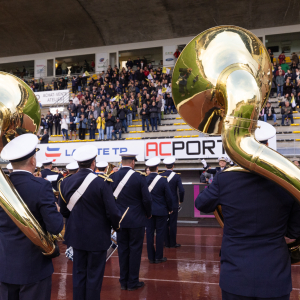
57,128
158,224
229,296
130,246
39,290
171,231
50,128
88,272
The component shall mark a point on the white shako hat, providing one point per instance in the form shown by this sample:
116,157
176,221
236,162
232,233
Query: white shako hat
85,153
101,164
39,164
20,148
265,132
153,162
223,158
169,160
9,167
72,166
46,162
128,155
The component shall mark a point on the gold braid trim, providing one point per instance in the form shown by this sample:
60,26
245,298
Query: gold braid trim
59,183
105,177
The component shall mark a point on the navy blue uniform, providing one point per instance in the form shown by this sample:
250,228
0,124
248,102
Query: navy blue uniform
215,171
88,231
136,196
21,262
162,204
176,188
47,172
255,260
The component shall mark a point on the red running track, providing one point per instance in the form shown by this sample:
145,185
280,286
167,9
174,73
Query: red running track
191,272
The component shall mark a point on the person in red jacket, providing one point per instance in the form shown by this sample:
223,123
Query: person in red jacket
176,53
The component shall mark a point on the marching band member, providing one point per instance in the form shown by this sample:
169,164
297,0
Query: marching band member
88,203
102,166
54,177
162,206
222,166
72,168
176,187
25,272
131,190
255,260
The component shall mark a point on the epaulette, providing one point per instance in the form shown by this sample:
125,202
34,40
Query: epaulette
178,173
105,177
141,173
164,176
161,172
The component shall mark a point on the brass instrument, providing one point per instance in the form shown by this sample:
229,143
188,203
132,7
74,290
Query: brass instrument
221,81
20,113
109,169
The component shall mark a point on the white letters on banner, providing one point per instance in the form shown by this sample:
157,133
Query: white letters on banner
187,148
52,97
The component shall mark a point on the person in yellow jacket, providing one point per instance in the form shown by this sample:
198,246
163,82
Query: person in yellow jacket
101,126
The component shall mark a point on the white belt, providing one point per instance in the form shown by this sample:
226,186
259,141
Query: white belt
80,191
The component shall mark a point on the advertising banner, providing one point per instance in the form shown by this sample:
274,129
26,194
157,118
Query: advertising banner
168,55
202,147
52,97
40,68
184,148
108,151
101,62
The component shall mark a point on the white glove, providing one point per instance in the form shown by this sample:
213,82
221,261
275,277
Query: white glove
204,163
231,163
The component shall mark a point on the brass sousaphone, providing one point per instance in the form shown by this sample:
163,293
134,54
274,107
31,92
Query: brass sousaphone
20,113
221,81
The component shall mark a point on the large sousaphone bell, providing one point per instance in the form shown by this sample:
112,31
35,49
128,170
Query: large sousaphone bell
20,113
221,81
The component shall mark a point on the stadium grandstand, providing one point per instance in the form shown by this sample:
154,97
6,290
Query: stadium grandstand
149,150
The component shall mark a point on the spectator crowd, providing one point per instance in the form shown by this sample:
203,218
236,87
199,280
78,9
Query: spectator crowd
109,102
285,86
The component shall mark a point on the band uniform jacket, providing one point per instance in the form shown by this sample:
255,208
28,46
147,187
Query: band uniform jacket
89,223
47,172
134,195
215,171
162,199
176,188
255,260
22,262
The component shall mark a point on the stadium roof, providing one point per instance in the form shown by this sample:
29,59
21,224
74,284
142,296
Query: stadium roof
28,27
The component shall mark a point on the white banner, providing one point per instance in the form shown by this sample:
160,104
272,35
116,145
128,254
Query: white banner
101,62
52,97
187,148
184,148
40,68
107,151
168,55
202,147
